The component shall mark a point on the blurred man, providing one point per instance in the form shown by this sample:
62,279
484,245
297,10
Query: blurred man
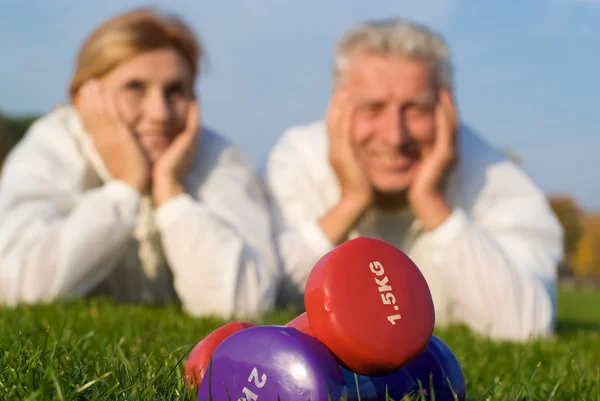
392,161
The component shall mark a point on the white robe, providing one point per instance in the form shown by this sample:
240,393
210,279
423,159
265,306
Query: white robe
491,265
68,229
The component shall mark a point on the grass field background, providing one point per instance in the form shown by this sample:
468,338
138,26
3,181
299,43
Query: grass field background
96,350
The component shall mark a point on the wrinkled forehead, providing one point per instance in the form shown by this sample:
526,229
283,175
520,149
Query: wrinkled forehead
389,76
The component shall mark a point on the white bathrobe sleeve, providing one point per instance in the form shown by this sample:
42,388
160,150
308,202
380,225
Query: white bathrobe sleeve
219,244
499,264
56,240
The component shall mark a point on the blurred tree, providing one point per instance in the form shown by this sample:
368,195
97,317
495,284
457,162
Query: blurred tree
7,141
586,260
12,130
571,218
18,126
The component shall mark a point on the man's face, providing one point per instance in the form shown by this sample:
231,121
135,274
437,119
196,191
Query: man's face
395,117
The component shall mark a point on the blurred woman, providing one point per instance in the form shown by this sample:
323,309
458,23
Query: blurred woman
123,193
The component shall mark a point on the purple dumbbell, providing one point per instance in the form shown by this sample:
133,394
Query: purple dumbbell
373,388
439,361
265,363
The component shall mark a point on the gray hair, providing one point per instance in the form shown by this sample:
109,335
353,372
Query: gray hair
395,36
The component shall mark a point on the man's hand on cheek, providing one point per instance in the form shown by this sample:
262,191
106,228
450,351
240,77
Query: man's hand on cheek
426,191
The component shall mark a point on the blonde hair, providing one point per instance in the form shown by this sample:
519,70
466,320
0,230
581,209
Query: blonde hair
397,37
128,35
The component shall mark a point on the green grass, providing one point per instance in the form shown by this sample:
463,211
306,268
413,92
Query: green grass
97,350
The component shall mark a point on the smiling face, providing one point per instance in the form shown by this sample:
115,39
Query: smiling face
395,122
152,91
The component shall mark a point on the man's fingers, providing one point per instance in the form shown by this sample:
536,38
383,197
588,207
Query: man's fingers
450,112
338,107
344,118
333,114
446,123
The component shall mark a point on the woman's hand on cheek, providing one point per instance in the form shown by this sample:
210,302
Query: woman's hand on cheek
113,140
169,170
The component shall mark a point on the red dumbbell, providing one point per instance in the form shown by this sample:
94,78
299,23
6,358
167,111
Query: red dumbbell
301,323
199,359
370,305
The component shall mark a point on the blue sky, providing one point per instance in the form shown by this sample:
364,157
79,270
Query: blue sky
526,71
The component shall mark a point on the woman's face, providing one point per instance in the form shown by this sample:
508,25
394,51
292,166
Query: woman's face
152,92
